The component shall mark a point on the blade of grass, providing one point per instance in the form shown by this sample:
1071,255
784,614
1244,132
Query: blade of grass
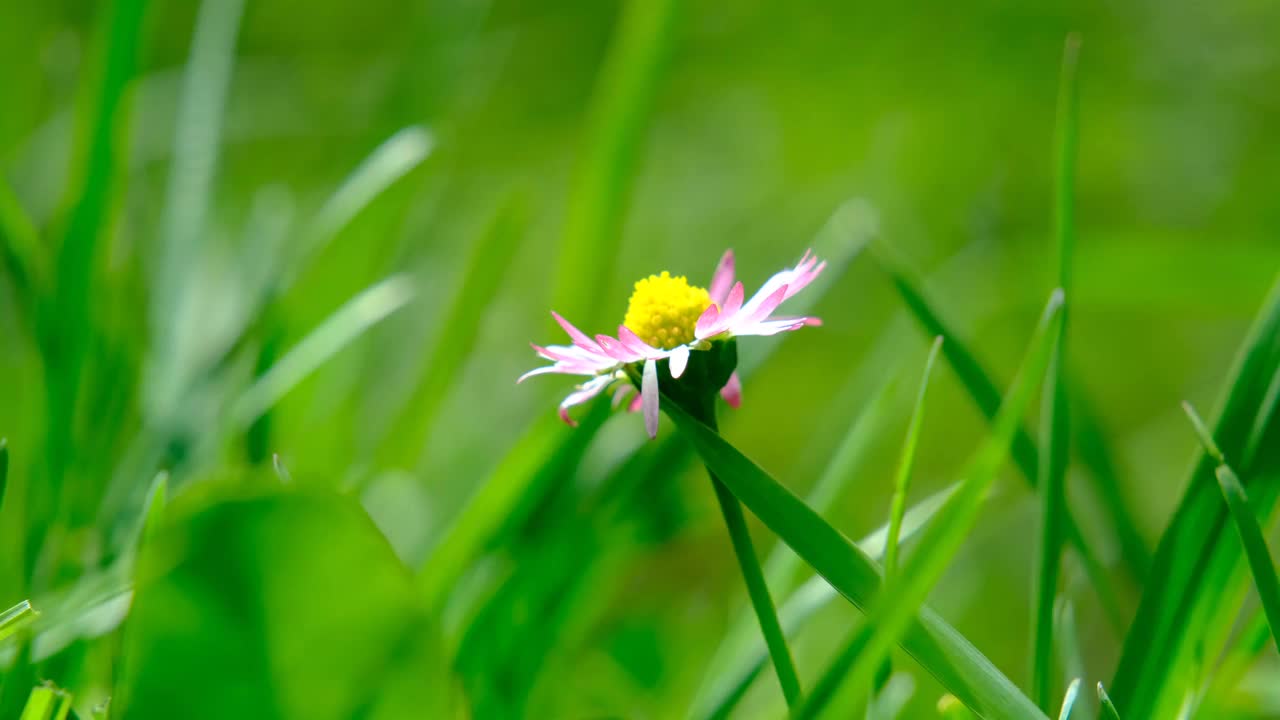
749,654
4,470
894,615
867,427
1064,618
902,481
985,395
831,678
1055,425
460,327
547,451
16,618
782,566
336,332
20,254
390,161
905,593
937,646
758,591
1069,700
625,92
1255,545
41,704
1197,577
202,102
1106,708
67,327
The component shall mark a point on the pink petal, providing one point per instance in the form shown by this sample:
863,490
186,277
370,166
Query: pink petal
706,321
763,308
632,342
540,371
636,402
734,302
722,278
649,393
616,350
679,359
774,326
732,391
585,392
579,338
622,393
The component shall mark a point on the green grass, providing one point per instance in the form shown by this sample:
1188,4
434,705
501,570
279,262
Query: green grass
267,277
1055,423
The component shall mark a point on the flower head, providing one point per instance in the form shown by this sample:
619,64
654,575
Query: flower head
668,320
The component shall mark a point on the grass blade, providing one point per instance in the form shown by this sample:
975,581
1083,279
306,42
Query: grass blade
20,255
197,134
16,618
544,453
1069,700
782,566
902,480
895,616
91,192
617,120
984,393
1197,577
844,658
388,162
459,330
746,657
1055,425
907,591
1255,545
4,470
941,650
349,322
761,601
1107,709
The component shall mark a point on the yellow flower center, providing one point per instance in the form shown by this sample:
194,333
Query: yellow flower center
664,310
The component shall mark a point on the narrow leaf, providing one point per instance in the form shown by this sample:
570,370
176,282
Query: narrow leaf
202,101
1069,700
1055,423
16,618
617,120
985,395
340,329
902,481
460,327
747,657
1198,577
937,646
388,162
906,592
1107,709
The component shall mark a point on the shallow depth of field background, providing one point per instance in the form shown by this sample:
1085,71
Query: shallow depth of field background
934,121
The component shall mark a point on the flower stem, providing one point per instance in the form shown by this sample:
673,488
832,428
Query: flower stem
766,612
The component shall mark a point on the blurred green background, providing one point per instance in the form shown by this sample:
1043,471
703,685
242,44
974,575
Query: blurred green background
194,189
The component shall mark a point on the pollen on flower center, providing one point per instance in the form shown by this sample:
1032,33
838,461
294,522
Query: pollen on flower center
663,310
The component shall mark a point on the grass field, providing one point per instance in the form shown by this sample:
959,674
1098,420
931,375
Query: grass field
269,273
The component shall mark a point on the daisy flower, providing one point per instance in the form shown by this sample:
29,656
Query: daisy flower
670,322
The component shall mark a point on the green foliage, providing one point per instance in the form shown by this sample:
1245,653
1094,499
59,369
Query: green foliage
225,624
268,274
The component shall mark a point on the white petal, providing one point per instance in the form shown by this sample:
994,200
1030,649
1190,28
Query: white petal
679,358
649,395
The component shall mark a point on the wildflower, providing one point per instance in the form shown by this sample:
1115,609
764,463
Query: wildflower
680,325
